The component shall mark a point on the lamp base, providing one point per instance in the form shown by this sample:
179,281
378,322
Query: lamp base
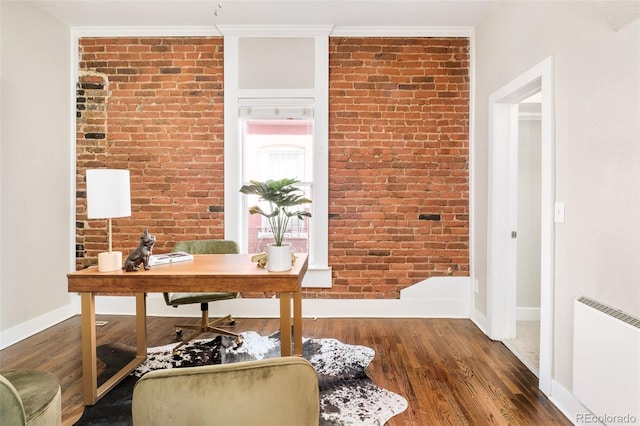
109,261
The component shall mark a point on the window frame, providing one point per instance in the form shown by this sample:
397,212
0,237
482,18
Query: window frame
277,111
319,272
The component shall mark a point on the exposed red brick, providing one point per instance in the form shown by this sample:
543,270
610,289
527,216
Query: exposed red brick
399,151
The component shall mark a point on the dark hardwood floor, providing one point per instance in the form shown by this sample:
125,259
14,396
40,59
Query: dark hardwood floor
447,369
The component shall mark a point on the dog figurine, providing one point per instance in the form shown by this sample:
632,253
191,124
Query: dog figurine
141,254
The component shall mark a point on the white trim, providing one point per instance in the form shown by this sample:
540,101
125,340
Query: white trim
567,403
35,325
501,110
474,290
271,31
235,223
397,308
311,308
145,32
319,258
274,93
547,231
317,278
438,297
480,320
274,30
366,31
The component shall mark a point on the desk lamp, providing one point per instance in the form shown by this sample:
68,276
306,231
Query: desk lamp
108,196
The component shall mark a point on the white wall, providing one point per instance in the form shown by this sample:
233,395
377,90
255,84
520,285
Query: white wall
529,190
598,159
276,62
36,172
597,88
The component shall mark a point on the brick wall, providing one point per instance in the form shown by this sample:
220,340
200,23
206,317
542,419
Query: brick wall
398,152
398,161
164,123
91,149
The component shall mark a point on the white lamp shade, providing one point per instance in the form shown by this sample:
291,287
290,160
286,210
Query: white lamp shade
108,193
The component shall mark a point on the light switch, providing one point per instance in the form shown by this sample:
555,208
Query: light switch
559,212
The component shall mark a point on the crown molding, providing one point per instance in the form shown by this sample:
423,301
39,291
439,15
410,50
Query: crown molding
205,31
275,30
402,32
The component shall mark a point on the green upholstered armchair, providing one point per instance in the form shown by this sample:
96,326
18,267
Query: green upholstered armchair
276,391
29,397
176,299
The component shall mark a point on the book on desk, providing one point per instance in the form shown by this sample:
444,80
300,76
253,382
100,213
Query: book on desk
163,259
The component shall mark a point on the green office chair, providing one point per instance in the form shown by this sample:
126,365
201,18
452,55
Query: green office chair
177,299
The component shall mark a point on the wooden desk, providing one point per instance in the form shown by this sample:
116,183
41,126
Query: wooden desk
207,272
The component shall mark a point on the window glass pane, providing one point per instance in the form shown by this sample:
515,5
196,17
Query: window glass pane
274,149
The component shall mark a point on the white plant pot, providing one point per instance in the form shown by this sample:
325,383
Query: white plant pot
279,257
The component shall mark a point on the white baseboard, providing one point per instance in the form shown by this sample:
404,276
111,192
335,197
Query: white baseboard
567,403
372,308
480,320
522,314
35,325
440,297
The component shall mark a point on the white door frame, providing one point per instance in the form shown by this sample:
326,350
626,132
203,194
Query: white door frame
501,269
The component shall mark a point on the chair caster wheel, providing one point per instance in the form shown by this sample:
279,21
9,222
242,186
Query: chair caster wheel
178,332
232,322
239,341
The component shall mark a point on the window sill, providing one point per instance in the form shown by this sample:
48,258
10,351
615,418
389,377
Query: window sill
317,277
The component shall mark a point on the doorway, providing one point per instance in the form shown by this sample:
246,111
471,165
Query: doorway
526,343
504,219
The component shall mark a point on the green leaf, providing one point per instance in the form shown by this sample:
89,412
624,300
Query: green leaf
280,194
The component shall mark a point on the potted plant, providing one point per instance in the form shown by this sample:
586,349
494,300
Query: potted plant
283,196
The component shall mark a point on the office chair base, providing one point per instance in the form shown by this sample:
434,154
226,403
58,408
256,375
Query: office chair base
207,327
193,327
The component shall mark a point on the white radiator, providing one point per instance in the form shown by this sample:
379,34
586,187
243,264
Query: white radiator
606,362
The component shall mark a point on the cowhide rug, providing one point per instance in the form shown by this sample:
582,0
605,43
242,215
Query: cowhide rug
347,395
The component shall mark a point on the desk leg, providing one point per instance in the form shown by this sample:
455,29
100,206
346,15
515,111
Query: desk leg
141,324
285,324
91,392
89,357
297,323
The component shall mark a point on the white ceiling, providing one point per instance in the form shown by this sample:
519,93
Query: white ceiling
619,13
429,13
345,13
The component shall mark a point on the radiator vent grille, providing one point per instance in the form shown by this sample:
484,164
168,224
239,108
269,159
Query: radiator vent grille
615,313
